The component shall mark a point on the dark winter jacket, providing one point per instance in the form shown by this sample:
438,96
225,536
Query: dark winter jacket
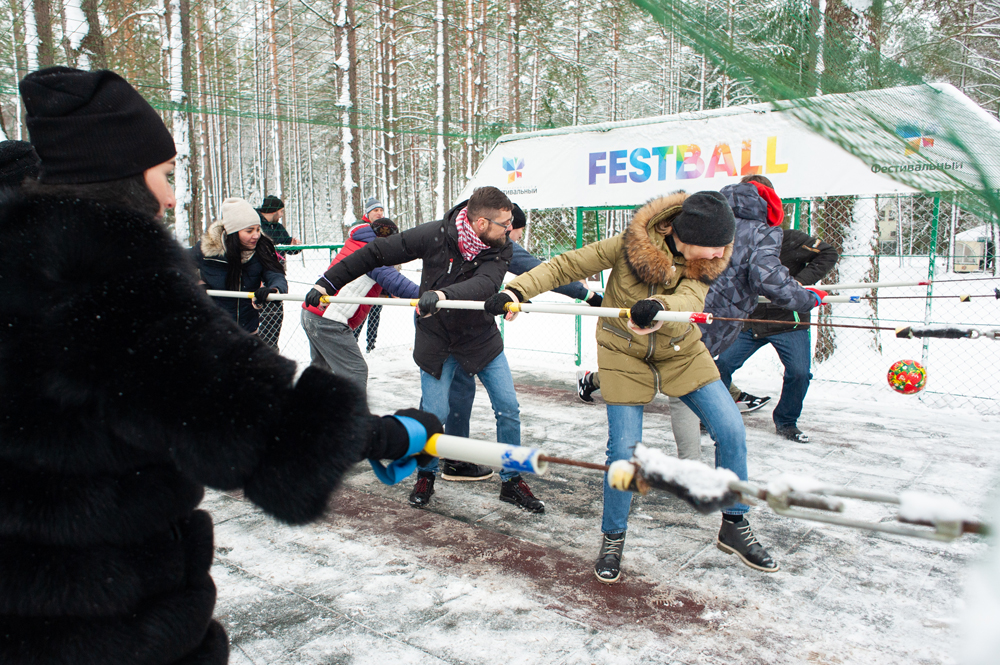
808,260
210,258
522,262
471,336
124,390
755,270
277,232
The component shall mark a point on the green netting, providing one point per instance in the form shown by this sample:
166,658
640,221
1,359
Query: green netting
830,70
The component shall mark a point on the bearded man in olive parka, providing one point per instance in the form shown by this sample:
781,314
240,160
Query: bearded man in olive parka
673,249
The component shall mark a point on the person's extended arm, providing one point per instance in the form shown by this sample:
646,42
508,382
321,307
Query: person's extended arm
823,257
399,248
394,282
567,268
771,279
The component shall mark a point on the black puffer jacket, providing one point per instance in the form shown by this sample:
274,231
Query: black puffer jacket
210,257
808,260
123,391
472,337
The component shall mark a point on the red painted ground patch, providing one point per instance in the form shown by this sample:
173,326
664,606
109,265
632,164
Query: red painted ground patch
567,581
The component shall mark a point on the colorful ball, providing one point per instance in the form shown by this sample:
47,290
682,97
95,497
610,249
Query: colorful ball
907,376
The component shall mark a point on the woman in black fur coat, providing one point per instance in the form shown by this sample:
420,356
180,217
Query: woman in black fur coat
124,391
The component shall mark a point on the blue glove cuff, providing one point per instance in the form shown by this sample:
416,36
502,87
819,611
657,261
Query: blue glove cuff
404,466
819,301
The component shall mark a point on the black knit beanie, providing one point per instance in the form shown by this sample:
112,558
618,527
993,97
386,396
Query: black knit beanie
384,227
17,162
271,203
91,126
705,220
518,219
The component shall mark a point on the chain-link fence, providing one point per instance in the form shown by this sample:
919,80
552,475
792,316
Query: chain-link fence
901,238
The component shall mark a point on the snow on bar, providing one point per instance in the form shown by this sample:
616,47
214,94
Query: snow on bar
920,507
699,479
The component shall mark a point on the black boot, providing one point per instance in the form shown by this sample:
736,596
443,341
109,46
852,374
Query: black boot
608,567
422,491
455,470
737,538
516,491
585,386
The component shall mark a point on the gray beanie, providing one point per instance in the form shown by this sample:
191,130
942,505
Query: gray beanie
237,215
371,204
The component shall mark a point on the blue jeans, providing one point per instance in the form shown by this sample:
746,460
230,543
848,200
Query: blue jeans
460,399
715,407
793,350
496,378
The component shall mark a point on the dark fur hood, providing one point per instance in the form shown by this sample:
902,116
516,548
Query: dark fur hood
646,251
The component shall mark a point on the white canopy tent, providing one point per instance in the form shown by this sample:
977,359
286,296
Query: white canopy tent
899,132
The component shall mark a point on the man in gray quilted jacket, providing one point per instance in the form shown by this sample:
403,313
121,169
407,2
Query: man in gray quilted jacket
754,270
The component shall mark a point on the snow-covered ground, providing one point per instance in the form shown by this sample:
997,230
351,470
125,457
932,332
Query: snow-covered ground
474,580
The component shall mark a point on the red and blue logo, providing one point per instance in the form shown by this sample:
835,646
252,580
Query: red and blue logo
915,138
513,166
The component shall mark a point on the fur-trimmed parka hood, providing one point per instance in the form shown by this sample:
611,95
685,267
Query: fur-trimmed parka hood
213,242
649,256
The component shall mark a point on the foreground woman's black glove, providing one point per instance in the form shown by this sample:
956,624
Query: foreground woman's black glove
391,440
642,312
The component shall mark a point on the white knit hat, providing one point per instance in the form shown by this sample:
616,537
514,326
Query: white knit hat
237,215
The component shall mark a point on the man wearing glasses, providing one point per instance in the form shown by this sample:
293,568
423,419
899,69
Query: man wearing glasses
465,257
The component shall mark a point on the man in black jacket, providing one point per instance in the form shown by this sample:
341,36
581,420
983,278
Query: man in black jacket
465,257
808,260
272,314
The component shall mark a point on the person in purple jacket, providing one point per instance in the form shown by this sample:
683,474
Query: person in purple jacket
330,328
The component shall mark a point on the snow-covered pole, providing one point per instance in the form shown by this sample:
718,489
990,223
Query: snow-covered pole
708,489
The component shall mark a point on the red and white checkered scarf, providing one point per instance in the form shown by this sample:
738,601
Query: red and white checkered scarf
468,242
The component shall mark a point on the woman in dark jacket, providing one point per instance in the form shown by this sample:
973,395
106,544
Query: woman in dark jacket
124,391
235,256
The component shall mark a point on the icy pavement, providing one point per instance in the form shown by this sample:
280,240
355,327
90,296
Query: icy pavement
473,580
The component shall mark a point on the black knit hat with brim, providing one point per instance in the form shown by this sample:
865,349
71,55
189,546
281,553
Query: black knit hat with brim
705,220
91,126
17,162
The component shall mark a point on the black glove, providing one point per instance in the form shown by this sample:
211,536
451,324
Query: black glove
392,440
595,300
312,298
494,305
427,305
260,295
642,312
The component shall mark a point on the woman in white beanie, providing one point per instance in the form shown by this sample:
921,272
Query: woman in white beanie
234,255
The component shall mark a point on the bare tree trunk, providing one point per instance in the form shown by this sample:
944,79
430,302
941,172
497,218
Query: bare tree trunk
395,144
276,133
43,27
440,117
205,152
298,203
348,85
31,40
578,77
181,126
615,46
514,63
